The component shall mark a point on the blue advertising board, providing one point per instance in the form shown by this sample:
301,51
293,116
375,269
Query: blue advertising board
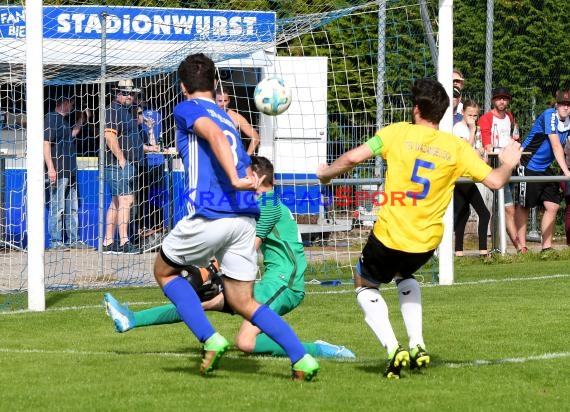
144,23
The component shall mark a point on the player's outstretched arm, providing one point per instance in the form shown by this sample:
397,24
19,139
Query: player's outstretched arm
209,131
509,158
558,152
344,163
247,129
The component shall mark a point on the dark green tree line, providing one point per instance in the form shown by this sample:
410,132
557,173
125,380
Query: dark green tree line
531,51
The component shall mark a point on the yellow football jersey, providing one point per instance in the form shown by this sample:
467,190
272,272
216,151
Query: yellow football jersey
423,165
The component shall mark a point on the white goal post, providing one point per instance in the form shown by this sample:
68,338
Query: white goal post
35,157
444,74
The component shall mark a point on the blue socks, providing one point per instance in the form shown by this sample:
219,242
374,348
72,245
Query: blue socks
189,308
277,329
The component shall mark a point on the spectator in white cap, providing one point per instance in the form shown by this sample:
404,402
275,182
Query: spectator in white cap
124,152
127,86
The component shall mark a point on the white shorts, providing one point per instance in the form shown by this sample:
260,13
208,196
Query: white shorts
231,240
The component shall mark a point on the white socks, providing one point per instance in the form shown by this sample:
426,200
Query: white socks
376,316
376,313
411,306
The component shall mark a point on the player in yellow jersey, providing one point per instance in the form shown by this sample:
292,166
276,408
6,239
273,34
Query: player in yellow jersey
423,163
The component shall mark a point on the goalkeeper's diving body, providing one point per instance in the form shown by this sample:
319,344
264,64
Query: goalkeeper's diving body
423,164
281,287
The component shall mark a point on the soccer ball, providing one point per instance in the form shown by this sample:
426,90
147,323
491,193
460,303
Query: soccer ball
272,96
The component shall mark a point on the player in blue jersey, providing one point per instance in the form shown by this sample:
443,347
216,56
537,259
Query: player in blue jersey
222,210
545,142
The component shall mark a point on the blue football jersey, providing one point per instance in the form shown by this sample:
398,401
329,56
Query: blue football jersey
538,143
208,191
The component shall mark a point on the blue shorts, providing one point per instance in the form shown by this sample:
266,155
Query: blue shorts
120,180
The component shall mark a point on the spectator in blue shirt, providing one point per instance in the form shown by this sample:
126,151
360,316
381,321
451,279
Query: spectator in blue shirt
545,142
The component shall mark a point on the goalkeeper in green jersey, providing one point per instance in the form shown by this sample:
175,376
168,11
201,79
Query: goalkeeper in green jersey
282,286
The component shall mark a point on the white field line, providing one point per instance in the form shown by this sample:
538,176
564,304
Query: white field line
486,362
332,291
454,365
467,283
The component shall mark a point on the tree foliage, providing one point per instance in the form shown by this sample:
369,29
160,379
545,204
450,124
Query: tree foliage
531,50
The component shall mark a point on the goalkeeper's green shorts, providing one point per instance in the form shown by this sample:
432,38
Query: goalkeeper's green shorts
277,296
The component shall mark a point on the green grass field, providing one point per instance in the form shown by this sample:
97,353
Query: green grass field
498,339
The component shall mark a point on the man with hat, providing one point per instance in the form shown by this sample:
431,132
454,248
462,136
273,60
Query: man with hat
545,142
495,127
123,153
60,156
498,120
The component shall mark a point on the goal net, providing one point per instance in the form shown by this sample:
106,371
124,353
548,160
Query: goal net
349,65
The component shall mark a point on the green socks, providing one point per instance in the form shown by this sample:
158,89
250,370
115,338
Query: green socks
159,315
265,345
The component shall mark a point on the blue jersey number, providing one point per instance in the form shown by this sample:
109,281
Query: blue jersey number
416,178
233,145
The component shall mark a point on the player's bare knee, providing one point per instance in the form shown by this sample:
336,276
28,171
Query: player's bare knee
243,307
246,310
360,282
245,343
550,207
163,270
159,269
125,201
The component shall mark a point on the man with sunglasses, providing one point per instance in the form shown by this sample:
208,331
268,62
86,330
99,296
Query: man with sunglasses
123,152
